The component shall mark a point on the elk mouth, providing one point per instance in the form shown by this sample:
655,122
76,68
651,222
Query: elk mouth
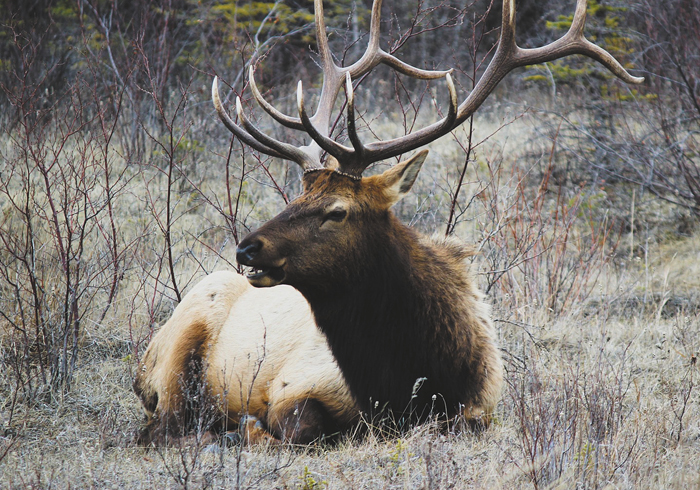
265,277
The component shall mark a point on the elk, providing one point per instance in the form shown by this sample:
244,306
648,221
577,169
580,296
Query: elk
400,312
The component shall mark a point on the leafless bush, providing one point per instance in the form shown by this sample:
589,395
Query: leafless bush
542,245
183,456
680,392
60,254
665,154
643,141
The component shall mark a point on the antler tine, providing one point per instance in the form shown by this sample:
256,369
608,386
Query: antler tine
574,42
352,160
283,119
244,136
332,75
508,56
258,140
327,144
321,36
285,150
449,120
374,54
410,70
352,129
360,150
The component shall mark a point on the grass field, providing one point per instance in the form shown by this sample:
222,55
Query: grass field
599,326
606,398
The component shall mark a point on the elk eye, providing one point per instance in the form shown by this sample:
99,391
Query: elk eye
335,215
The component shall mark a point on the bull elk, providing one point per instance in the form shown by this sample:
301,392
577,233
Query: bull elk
401,314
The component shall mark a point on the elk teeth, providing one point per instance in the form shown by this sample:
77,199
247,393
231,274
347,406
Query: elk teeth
252,271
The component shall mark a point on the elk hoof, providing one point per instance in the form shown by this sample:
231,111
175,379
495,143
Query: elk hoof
253,431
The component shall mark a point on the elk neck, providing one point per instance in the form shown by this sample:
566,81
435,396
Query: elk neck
405,310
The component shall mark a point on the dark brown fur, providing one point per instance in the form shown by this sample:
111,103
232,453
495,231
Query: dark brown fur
188,397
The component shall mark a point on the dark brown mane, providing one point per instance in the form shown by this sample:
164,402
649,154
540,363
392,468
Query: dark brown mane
406,316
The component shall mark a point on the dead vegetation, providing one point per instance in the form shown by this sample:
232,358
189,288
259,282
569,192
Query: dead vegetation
118,192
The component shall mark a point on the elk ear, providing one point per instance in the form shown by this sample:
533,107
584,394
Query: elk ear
399,179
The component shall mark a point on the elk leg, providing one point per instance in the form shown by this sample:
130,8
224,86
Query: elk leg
476,419
158,433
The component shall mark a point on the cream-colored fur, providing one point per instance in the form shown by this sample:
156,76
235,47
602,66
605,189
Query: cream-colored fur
260,350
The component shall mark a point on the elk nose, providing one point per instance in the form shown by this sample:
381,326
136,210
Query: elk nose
246,252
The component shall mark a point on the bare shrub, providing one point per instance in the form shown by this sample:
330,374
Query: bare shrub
60,253
543,245
642,142
575,417
664,153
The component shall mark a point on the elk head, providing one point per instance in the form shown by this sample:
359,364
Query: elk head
338,215
338,205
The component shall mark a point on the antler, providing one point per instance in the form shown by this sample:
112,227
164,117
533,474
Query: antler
354,160
317,126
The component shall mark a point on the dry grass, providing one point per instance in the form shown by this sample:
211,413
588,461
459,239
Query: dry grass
600,395
592,401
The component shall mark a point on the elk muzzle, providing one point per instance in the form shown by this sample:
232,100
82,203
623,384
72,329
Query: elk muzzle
265,271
